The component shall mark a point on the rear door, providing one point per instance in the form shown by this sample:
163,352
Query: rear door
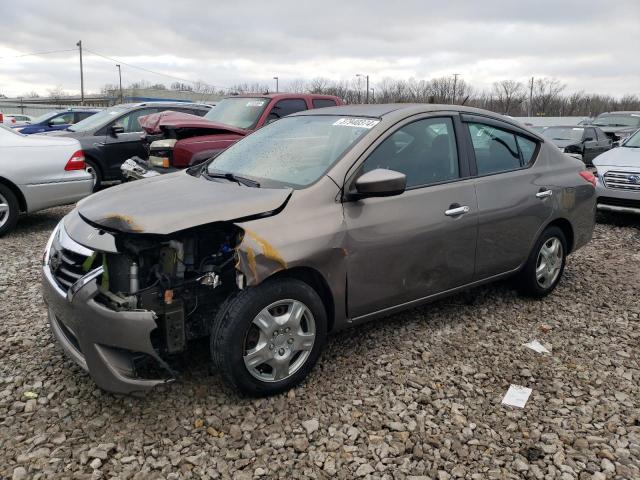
513,201
413,245
591,146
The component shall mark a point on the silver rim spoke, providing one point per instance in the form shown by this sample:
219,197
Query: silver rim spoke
282,341
4,210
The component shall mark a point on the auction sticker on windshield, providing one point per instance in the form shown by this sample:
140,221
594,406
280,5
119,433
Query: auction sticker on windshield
255,103
357,122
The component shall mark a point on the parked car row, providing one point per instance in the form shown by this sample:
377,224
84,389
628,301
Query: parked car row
111,136
584,142
321,220
179,141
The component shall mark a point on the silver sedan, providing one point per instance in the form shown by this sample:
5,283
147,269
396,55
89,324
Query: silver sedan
38,172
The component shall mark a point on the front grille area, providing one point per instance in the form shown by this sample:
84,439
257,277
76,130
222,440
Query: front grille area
622,180
67,267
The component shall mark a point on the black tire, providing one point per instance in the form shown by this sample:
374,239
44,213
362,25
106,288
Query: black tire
234,322
96,172
528,282
9,221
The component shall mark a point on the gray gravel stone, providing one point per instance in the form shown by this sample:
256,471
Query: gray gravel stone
414,395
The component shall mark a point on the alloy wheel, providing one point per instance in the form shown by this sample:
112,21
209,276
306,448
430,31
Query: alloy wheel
4,210
549,262
279,340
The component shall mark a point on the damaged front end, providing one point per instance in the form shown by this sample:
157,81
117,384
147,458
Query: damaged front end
121,310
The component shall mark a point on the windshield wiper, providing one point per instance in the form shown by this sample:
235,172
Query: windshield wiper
231,177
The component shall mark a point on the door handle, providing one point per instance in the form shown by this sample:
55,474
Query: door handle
455,211
544,193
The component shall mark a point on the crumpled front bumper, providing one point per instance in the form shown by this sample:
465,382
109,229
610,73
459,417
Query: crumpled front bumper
136,168
106,343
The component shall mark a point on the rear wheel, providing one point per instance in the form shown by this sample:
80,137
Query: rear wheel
9,210
545,265
95,172
267,339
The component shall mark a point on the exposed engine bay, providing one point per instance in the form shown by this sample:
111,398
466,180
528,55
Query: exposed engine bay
183,279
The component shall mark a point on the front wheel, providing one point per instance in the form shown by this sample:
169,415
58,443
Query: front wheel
9,209
266,339
545,265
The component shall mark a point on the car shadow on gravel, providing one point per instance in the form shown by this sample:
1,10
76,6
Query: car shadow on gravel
619,219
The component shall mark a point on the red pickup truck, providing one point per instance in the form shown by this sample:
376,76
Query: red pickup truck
180,140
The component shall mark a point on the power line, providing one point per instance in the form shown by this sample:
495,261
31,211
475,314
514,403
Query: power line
38,53
152,71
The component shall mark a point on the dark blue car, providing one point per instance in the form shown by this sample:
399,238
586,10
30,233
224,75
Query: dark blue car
56,120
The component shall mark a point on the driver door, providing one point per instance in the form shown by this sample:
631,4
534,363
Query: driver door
119,147
410,246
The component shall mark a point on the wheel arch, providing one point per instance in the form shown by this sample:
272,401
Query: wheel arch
566,227
22,201
315,280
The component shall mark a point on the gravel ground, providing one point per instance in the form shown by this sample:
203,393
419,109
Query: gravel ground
415,395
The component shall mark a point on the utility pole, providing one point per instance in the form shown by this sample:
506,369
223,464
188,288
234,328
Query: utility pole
277,86
120,78
531,98
455,82
79,45
367,78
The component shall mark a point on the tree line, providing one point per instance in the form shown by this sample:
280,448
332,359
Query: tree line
538,97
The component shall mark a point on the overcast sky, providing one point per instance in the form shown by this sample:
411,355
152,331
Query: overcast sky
588,45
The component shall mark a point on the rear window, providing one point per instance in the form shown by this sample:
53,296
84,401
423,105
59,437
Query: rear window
323,102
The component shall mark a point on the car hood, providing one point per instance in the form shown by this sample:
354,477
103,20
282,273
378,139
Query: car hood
170,203
617,129
157,122
619,157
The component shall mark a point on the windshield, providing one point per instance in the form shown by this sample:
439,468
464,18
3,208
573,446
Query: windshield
631,120
44,117
634,141
294,151
241,112
98,119
563,133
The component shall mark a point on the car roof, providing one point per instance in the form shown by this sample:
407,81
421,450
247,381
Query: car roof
163,104
404,110
280,95
570,126
629,112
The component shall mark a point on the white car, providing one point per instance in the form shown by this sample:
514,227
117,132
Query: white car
19,119
618,177
38,172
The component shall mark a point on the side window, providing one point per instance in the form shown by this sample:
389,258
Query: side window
527,149
63,119
425,151
287,107
323,102
601,135
130,121
82,115
590,133
496,150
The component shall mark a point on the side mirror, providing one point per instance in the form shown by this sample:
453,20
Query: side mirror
589,139
380,183
116,129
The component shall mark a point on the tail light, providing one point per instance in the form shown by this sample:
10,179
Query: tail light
589,177
1,118
76,162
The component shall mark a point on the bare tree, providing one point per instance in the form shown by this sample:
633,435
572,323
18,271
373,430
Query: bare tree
546,93
509,96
